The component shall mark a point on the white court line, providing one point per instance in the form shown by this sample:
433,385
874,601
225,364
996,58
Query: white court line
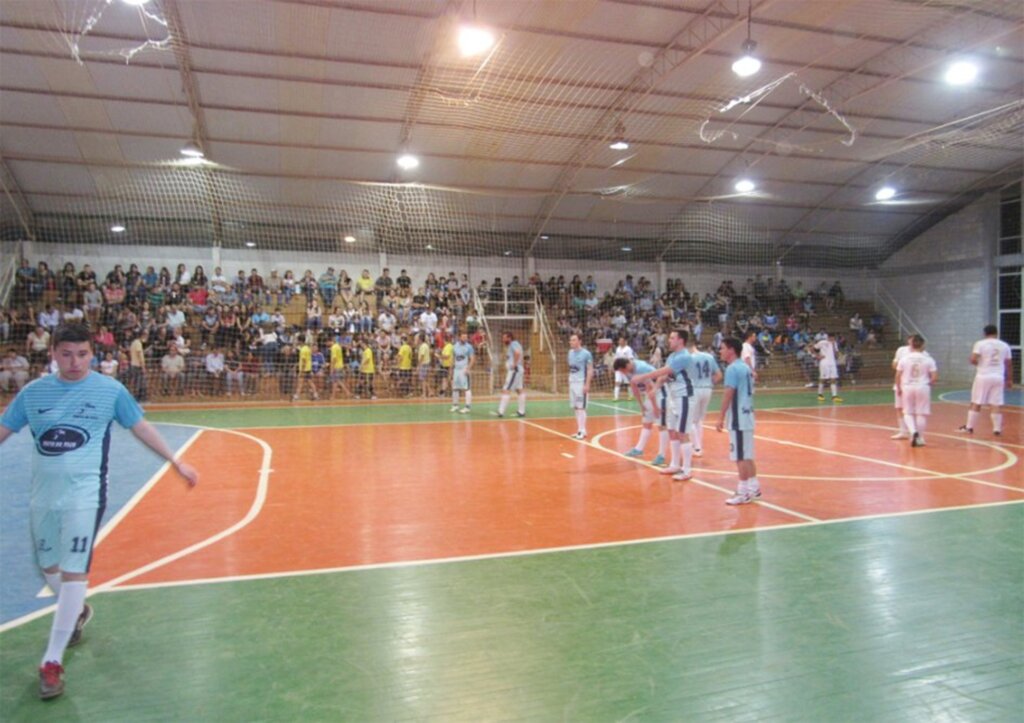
254,510
542,551
1011,408
596,445
1011,458
131,503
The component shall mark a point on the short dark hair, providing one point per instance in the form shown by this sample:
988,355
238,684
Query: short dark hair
991,330
917,341
620,364
733,343
73,332
682,334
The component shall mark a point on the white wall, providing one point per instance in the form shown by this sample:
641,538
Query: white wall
945,282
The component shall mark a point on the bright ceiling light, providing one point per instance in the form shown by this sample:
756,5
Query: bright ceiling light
885,193
747,65
474,40
961,72
544,238
350,239
117,228
627,249
135,2
251,244
430,247
408,162
745,185
619,145
191,150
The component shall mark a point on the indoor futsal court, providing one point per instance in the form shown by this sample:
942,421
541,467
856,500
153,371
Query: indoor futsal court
368,267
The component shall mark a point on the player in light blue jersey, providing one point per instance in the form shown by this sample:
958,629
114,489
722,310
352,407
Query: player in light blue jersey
70,414
738,417
581,373
514,371
651,410
705,375
676,374
462,363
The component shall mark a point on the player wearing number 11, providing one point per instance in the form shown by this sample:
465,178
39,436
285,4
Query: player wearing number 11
70,414
738,416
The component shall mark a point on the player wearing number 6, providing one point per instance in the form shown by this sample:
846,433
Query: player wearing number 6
915,374
581,373
738,417
70,415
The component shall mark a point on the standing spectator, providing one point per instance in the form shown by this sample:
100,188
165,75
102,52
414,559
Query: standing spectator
137,369
305,369
367,369
290,286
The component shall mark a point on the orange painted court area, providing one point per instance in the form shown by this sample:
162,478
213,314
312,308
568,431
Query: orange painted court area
359,495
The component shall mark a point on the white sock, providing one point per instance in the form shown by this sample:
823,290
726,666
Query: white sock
753,484
469,398
53,581
972,419
663,442
675,444
997,422
833,388
581,420
615,393
645,434
687,457
741,487
697,435
908,419
69,607
921,421
903,424
522,402
502,404
821,388
455,398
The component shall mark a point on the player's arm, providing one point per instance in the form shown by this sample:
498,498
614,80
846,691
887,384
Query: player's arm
656,376
589,378
975,356
148,435
635,389
896,381
730,392
4,433
1008,372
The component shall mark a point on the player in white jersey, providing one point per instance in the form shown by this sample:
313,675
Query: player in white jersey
462,363
915,375
651,411
826,350
749,354
706,373
514,371
581,373
70,414
622,351
903,432
993,372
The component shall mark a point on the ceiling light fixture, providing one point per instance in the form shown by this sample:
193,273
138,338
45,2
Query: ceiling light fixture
747,64
627,249
430,247
350,239
137,3
118,228
191,150
474,40
961,72
745,185
408,162
544,238
885,193
251,244
619,139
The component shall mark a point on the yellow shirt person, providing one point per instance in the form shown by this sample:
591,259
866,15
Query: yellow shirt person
305,359
366,364
337,358
447,355
405,357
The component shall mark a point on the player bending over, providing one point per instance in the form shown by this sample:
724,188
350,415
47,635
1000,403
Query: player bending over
650,410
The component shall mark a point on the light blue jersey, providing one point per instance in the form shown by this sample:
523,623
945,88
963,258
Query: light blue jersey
70,422
579,361
641,367
704,368
681,364
740,414
463,353
510,360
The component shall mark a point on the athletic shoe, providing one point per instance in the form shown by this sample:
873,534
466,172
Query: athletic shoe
520,414
900,435
464,410
997,432
682,477
965,429
51,680
455,408
658,461
497,414
698,452
83,620
809,385
580,435
634,453
670,470
837,400
743,498
916,440
821,397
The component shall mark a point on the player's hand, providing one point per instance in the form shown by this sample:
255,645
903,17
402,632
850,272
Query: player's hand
719,426
188,472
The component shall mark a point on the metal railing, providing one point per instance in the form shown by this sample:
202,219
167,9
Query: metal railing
904,324
7,272
547,341
478,306
514,302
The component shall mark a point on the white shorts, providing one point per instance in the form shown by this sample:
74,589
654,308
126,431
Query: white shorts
898,404
917,400
513,381
647,412
577,397
701,400
680,414
65,538
460,381
621,378
741,444
663,402
827,370
987,390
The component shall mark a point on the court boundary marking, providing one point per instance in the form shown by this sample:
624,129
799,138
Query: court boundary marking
1011,408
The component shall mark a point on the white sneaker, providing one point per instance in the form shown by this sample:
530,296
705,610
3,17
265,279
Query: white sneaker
900,435
455,408
698,453
580,435
464,410
682,477
743,497
670,470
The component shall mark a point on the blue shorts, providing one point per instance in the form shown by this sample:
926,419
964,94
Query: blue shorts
65,538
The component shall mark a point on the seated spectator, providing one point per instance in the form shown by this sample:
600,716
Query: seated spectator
233,374
215,370
13,368
109,365
274,287
198,297
289,286
172,371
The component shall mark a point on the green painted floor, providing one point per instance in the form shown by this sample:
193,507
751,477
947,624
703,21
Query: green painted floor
917,618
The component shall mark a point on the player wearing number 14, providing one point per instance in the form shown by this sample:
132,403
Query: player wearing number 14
70,414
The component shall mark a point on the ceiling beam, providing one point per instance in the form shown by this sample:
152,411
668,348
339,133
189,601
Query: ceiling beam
21,206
